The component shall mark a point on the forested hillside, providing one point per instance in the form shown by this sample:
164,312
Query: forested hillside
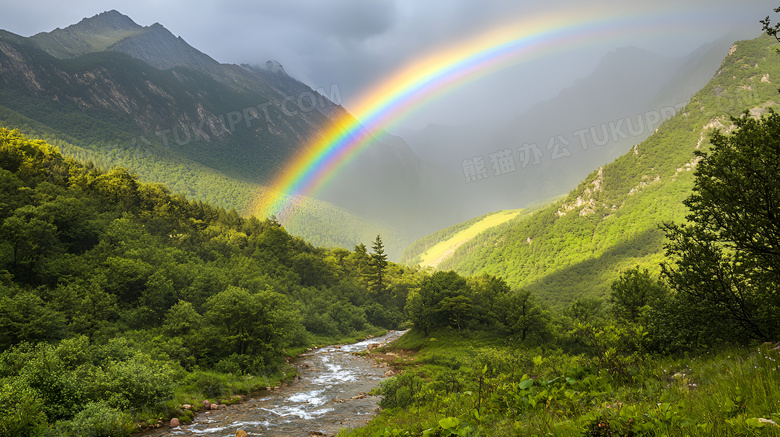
117,296
118,94
577,246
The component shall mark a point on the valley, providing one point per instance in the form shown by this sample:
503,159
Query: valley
176,229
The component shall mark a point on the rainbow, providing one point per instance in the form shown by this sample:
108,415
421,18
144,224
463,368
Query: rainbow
444,70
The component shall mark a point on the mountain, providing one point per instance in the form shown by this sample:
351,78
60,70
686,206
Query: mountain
577,245
140,97
556,143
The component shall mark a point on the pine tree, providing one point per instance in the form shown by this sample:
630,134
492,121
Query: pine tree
378,266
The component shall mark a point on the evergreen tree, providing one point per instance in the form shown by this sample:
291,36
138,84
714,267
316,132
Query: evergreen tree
378,266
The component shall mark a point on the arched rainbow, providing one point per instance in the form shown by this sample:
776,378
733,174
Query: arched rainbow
436,73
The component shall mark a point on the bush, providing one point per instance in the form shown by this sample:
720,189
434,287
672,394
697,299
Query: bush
401,391
208,383
98,419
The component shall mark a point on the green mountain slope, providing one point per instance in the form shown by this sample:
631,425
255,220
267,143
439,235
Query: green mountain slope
437,247
119,94
576,246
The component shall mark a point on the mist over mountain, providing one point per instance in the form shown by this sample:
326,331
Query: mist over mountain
140,97
548,150
574,247
143,98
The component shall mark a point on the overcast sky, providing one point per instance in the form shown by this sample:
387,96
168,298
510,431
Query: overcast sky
354,43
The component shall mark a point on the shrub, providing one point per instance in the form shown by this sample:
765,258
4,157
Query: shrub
98,419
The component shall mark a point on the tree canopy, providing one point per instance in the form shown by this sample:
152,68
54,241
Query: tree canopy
726,259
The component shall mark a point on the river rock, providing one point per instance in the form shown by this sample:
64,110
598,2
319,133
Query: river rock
241,433
214,407
389,373
175,422
372,346
221,406
187,406
206,405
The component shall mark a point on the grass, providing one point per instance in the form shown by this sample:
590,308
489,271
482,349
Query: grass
444,249
478,385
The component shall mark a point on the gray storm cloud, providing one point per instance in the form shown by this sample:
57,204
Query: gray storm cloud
354,43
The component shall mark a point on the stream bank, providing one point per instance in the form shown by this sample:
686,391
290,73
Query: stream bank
330,394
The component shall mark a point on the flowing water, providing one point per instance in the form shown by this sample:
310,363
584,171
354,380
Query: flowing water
319,403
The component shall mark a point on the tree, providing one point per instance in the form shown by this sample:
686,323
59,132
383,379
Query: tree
771,30
256,324
727,258
520,315
378,266
633,292
585,309
488,294
30,238
360,259
431,307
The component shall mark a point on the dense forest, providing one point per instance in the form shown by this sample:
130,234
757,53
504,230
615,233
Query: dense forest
118,298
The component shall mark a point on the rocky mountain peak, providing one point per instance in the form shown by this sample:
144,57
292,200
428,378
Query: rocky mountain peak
111,20
89,35
275,67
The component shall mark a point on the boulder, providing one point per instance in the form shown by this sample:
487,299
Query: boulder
206,405
221,406
372,346
214,407
241,433
175,422
187,406
389,373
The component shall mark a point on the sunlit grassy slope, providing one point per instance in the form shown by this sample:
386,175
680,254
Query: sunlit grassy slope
455,236
445,248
